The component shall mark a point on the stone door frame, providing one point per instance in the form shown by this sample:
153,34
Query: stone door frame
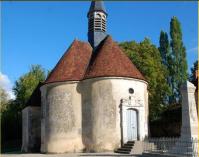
124,106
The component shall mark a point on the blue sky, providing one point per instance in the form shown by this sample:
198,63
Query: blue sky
40,32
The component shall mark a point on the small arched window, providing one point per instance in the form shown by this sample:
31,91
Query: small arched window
98,16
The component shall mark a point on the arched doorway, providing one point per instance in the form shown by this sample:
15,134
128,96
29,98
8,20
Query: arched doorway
129,118
131,123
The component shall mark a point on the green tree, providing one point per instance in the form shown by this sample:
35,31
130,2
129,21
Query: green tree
10,118
27,83
147,59
3,100
192,76
11,114
165,53
164,47
179,67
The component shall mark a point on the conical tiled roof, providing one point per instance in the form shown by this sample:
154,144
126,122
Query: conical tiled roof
111,61
108,61
73,64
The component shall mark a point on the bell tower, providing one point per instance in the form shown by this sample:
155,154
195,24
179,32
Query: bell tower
96,23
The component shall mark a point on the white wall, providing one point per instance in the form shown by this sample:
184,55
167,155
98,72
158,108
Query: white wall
61,118
104,100
86,115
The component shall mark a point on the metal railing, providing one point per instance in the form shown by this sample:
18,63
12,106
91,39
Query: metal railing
175,146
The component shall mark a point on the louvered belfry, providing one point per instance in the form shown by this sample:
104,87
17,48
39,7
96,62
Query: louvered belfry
96,23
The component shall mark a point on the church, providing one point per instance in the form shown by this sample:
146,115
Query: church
94,100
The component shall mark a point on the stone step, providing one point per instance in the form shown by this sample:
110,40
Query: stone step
124,149
129,144
122,152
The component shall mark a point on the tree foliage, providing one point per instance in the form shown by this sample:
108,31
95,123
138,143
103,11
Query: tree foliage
167,60
174,58
164,47
147,59
26,84
178,71
192,76
11,114
4,99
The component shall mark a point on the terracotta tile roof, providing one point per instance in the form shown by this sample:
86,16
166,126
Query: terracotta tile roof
73,64
109,60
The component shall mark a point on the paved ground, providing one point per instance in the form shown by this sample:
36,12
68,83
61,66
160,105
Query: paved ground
69,155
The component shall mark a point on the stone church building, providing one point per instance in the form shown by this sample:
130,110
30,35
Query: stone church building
94,100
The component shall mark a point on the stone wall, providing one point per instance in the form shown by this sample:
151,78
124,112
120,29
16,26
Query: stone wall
101,98
31,129
61,118
85,116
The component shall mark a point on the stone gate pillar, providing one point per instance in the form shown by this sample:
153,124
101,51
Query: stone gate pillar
189,113
187,143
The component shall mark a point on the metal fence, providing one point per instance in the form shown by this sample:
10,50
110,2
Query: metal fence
175,146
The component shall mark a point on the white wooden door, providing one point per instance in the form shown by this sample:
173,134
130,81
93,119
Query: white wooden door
131,125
